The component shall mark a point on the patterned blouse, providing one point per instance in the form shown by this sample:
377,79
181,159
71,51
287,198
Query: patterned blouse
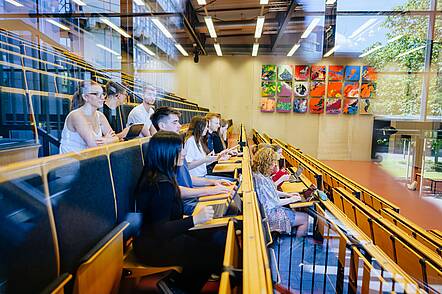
281,219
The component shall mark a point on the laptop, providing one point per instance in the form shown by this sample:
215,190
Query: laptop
134,131
233,206
295,178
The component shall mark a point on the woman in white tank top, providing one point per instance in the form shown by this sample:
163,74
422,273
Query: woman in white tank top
85,126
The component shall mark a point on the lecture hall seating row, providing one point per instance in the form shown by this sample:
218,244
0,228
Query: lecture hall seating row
398,237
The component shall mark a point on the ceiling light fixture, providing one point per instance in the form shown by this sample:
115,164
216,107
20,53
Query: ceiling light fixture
145,49
56,23
330,2
310,28
259,26
181,49
411,51
255,49
210,26
218,49
363,27
162,28
15,3
107,49
139,2
115,27
263,2
201,2
79,2
293,50
331,51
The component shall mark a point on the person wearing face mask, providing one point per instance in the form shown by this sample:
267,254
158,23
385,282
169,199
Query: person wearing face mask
116,96
141,113
84,126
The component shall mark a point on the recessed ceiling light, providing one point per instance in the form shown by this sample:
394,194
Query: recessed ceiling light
139,2
259,26
218,49
162,28
181,49
145,49
310,28
331,51
201,2
115,27
293,50
411,51
56,23
15,3
263,2
363,27
255,49
210,26
108,49
79,2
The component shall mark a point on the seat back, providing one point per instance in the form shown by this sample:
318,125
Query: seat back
28,251
83,202
126,166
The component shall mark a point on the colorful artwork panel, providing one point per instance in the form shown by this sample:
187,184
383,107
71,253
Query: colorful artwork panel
268,104
365,106
268,72
351,89
316,105
302,72
268,89
318,72
334,106
369,73
285,73
350,106
352,73
335,73
368,90
284,89
284,104
300,105
317,89
334,90
301,89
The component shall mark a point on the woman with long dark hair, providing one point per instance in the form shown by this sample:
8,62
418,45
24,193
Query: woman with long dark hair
164,238
84,126
196,150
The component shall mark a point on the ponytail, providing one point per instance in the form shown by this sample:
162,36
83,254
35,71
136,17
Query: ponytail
77,99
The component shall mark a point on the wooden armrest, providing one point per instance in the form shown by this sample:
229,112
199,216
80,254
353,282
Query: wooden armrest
302,204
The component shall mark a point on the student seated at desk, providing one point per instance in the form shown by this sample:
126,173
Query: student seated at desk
85,127
164,238
141,113
116,96
191,187
281,219
197,154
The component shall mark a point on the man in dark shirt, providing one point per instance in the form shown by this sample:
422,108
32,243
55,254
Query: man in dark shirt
168,119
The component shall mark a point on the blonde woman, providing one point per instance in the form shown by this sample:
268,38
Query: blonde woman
281,219
85,126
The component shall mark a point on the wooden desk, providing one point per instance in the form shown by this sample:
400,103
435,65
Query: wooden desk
293,187
226,167
217,196
230,160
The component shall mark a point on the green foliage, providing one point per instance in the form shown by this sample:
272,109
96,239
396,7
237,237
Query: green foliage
401,77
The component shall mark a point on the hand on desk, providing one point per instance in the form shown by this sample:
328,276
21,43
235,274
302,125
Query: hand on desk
204,215
217,189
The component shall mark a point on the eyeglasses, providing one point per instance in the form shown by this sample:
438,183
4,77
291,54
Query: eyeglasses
99,94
